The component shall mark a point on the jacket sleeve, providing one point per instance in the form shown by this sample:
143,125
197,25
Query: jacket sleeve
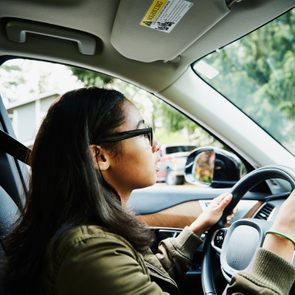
176,254
269,275
102,265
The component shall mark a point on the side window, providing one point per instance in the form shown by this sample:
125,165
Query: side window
29,87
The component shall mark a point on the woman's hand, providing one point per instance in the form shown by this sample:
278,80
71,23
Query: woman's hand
210,216
285,224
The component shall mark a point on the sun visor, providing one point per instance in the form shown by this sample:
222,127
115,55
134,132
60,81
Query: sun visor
154,30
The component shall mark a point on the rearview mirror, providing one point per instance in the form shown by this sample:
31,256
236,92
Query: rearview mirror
213,167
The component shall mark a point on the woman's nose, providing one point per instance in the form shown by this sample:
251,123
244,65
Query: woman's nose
156,146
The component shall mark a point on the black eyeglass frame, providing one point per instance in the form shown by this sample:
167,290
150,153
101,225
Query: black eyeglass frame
128,134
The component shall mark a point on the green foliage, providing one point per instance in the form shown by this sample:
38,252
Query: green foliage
172,119
257,73
170,125
168,137
11,77
90,78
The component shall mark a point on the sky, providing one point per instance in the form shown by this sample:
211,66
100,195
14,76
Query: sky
23,80
35,79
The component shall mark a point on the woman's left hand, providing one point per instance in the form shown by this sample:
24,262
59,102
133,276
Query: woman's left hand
214,212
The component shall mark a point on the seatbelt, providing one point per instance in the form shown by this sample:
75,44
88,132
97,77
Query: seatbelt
14,148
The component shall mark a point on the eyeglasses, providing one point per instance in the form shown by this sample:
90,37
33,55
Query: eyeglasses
129,134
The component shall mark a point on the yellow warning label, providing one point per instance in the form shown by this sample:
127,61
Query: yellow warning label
164,15
153,12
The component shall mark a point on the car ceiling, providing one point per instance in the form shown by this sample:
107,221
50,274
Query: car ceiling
124,48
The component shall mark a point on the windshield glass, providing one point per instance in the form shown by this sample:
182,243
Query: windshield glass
257,74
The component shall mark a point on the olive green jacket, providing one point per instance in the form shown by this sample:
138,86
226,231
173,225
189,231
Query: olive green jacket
90,260
269,275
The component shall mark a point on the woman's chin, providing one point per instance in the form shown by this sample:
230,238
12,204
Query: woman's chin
148,183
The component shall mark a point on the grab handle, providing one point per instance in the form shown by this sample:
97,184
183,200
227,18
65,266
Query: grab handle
17,31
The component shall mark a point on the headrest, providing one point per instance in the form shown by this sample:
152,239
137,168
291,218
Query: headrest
9,212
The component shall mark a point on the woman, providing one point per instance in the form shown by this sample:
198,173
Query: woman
76,235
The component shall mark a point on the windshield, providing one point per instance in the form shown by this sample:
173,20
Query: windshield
257,74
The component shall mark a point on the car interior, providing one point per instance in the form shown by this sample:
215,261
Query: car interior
157,46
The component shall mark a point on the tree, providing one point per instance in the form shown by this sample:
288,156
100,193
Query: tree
169,124
90,78
9,84
257,74
23,79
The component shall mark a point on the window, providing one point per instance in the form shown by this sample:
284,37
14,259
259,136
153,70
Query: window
30,87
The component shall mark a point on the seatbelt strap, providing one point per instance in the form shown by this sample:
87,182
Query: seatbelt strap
14,148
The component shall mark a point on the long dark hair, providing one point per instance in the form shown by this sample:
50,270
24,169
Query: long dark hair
65,188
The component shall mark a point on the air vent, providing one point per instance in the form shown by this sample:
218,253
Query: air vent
264,212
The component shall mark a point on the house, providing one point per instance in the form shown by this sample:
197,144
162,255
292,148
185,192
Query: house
26,116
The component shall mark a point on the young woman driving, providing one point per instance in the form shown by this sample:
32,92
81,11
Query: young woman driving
76,235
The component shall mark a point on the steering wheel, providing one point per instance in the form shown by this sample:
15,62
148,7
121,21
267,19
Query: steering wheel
247,232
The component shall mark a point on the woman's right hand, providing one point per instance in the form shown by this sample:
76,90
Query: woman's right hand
284,223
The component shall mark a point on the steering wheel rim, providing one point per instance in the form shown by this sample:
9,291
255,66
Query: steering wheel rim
238,191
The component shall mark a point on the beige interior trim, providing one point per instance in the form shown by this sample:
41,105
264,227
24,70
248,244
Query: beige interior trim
178,216
253,210
183,214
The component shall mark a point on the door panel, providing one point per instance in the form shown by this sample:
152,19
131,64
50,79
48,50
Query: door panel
159,197
174,206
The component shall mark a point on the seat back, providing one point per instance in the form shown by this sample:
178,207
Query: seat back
9,213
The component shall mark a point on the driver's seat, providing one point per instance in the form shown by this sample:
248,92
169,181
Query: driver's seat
9,214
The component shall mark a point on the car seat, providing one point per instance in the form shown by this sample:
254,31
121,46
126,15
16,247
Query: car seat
9,214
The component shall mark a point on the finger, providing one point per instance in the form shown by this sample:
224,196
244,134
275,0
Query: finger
235,210
229,217
222,196
219,199
225,201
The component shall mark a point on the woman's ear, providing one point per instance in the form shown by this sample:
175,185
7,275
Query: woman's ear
100,157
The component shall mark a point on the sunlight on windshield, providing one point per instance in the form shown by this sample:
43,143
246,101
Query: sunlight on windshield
256,73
